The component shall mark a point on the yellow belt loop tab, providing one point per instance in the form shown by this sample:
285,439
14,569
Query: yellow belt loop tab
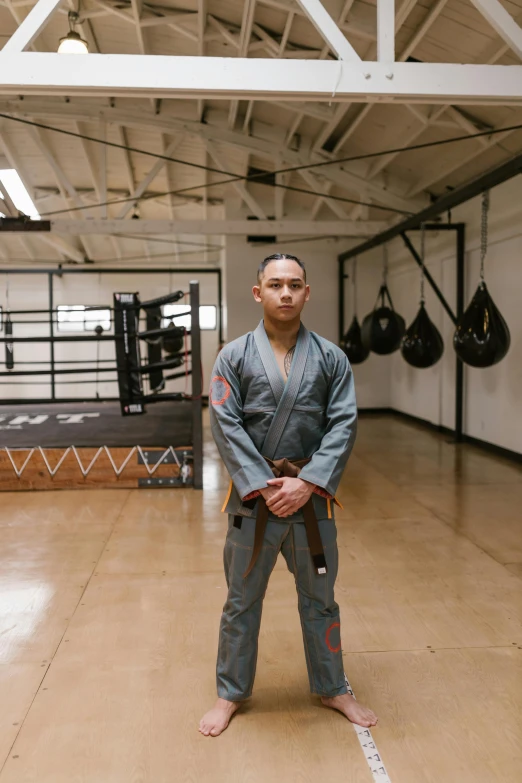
329,507
339,504
227,497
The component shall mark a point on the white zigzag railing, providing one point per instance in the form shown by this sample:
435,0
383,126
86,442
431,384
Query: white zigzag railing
86,470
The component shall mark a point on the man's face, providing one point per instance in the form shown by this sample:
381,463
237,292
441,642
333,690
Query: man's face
282,290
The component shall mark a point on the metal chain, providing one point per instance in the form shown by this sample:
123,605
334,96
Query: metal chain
354,275
484,232
423,258
385,264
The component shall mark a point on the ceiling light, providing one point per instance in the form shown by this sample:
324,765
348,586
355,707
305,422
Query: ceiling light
73,43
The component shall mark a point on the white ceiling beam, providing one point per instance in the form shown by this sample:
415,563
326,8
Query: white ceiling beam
504,24
150,177
316,184
410,46
136,6
67,250
176,18
99,189
129,173
7,207
465,123
341,174
115,11
406,140
31,26
386,31
329,31
245,34
171,186
441,173
423,28
67,189
354,27
202,26
113,75
321,56
239,187
15,162
229,37
279,195
344,228
103,167
370,54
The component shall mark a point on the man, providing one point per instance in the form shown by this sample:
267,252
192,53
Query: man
283,415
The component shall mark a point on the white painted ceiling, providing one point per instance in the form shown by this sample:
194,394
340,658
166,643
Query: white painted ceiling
64,171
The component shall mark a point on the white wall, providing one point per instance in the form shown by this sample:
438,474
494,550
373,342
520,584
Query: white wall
492,401
31,292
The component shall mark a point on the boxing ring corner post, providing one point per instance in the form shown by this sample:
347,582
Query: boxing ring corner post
197,387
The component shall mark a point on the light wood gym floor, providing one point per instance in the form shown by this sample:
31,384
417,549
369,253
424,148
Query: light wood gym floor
110,606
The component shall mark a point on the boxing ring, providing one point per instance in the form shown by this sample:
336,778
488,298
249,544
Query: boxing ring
147,437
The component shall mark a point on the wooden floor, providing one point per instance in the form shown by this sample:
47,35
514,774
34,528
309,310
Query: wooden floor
110,605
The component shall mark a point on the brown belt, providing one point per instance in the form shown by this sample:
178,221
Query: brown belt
284,467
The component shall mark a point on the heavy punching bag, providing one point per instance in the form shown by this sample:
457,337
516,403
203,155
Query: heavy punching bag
422,345
383,328
352,343
482,336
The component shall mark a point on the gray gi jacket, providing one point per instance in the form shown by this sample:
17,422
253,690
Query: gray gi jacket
245,391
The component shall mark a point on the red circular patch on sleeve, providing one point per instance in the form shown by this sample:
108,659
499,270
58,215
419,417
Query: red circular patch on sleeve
328,632
219,390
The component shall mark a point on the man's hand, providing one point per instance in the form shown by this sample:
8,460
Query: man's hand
284,496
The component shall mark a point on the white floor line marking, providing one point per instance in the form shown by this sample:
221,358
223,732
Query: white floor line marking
372,755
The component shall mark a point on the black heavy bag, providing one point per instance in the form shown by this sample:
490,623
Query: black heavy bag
352,344
422,345
482,336
154,348
9,348
383,329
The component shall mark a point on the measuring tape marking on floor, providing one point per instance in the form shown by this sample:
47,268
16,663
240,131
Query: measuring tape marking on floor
369,748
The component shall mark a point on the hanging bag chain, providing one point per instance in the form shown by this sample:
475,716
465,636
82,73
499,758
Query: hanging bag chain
354,275
484,232
423,258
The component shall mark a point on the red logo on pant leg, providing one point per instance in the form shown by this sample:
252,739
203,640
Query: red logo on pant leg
219,390
328,632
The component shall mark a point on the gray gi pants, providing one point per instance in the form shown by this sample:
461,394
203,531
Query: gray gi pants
241,618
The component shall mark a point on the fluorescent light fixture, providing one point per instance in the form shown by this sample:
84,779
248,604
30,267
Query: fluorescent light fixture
15,188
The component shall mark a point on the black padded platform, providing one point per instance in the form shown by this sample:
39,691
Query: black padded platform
95,424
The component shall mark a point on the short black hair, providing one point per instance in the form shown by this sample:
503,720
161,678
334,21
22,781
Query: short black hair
279,257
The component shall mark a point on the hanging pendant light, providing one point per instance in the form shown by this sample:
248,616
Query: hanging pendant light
422,345
383,328
352,343
73,43
482,336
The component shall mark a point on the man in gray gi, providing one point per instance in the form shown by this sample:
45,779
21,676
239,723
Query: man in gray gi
284,418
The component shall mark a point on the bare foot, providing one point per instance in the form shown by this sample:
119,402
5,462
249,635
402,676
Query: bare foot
354,711
218,718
